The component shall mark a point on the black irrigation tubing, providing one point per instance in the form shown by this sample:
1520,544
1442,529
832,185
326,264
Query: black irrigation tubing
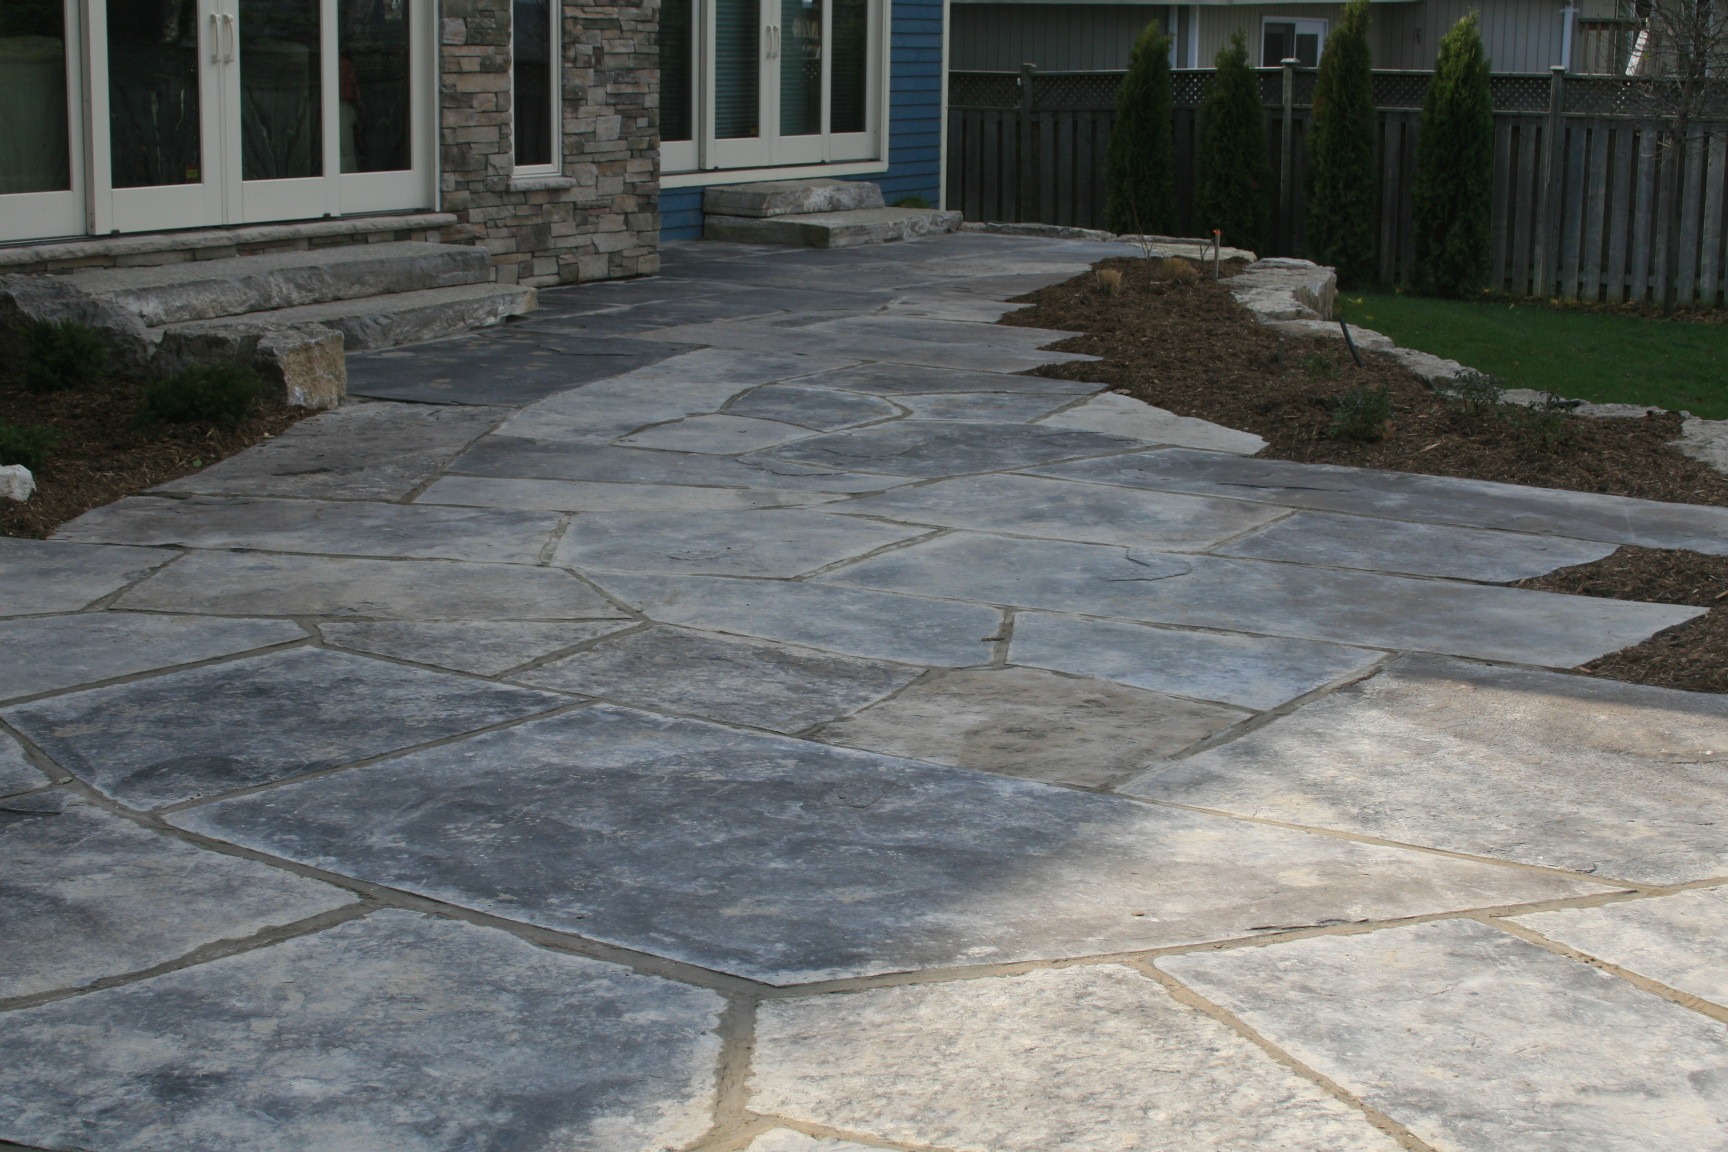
1349,343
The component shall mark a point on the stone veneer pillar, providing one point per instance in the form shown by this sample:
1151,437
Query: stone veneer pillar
600,219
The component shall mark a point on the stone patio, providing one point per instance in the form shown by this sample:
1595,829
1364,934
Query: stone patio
733,711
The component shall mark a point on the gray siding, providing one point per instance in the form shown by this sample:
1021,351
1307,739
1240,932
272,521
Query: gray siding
1055,37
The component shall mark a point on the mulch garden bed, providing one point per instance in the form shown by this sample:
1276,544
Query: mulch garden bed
107,450
1184,344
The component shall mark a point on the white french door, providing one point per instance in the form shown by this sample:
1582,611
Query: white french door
210,112
42,175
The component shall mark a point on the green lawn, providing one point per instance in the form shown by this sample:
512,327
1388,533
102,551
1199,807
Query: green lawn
1583,355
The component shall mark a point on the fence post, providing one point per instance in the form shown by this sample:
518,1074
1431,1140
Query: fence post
1548,225
1025,179
1286,230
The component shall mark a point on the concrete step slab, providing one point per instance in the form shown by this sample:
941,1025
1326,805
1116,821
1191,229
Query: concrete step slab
386,321
790,197
168,294
846,229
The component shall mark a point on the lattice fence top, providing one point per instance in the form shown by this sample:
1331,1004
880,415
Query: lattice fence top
1519,93
983,90
1401,89
1076,90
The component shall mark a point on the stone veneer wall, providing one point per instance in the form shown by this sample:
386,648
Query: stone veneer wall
600,219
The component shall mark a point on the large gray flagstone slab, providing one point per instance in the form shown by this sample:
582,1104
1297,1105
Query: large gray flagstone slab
895,379
945,448
1276,599
824,409
742,368
1479,1041
331,527
1407,496
86,895
17,774
591,496
1616,780
1255,672
779,337
787,1140
1062,510
508,368
515,458
789,861
988,335
396,1031
1119,415
254,584
874,625
1418,549
214,729
360,451
1679,940
982,407
735,681
483,647
718,434
1032,723
1069,1060
38,576
774,542
49,653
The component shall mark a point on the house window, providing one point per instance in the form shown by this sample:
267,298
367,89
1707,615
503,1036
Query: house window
1280,39
770,83
533,76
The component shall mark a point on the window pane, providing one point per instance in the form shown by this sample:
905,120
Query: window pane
34,148
153,92
532,45
851,67
281,122
800,67
738,32
1276,44
377,98
1308,49
675,69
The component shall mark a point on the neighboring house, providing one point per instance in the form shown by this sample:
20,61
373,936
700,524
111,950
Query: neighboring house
1520,35
536,124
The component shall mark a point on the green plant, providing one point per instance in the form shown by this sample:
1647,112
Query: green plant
1233,192
62,354
26,444
1140,166
1176,270
1453,198
1319,368
1361,414
913,202
1342,174
204,393
1478,393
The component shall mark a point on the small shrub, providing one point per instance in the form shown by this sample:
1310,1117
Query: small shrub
62,354
1110,281
1140,166
913,202
1479,393
1320,368
205,393
1361,414
26,444
1177,270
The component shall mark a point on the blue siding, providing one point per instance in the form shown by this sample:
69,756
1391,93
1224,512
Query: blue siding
914,121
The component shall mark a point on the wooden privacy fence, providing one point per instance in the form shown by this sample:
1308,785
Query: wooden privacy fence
1582,183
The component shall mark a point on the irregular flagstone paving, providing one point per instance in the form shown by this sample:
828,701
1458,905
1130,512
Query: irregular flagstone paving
734,710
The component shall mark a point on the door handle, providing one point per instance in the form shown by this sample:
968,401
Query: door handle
228,26
215,38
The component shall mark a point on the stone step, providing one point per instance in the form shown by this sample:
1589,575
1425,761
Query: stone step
382,321
171,294
832,229
790,198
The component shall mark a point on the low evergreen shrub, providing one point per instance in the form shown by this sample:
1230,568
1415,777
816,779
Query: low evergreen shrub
205,393
1234,181
1361,414
62,354
1140,166
26,444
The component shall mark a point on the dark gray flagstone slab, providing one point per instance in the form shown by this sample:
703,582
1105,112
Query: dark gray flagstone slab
598,496
874,625
16,773
1617,780
717,434
331,527
1407,496
824,409
944,448
982,407
789,861
483,647
894,379
506,369
185,734
360,451
1276,599
516,458
398,1031
258,584
793,336
39,576
777,542
86,895
735,681
47,653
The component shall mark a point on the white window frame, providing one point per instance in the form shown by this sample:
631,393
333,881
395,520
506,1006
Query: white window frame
555,50
1302,24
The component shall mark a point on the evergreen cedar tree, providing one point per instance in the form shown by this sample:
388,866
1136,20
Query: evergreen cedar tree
1342,175
1235,180
1140,168
1454,192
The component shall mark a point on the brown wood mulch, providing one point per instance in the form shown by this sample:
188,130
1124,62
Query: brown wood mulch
108,450
1187,346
